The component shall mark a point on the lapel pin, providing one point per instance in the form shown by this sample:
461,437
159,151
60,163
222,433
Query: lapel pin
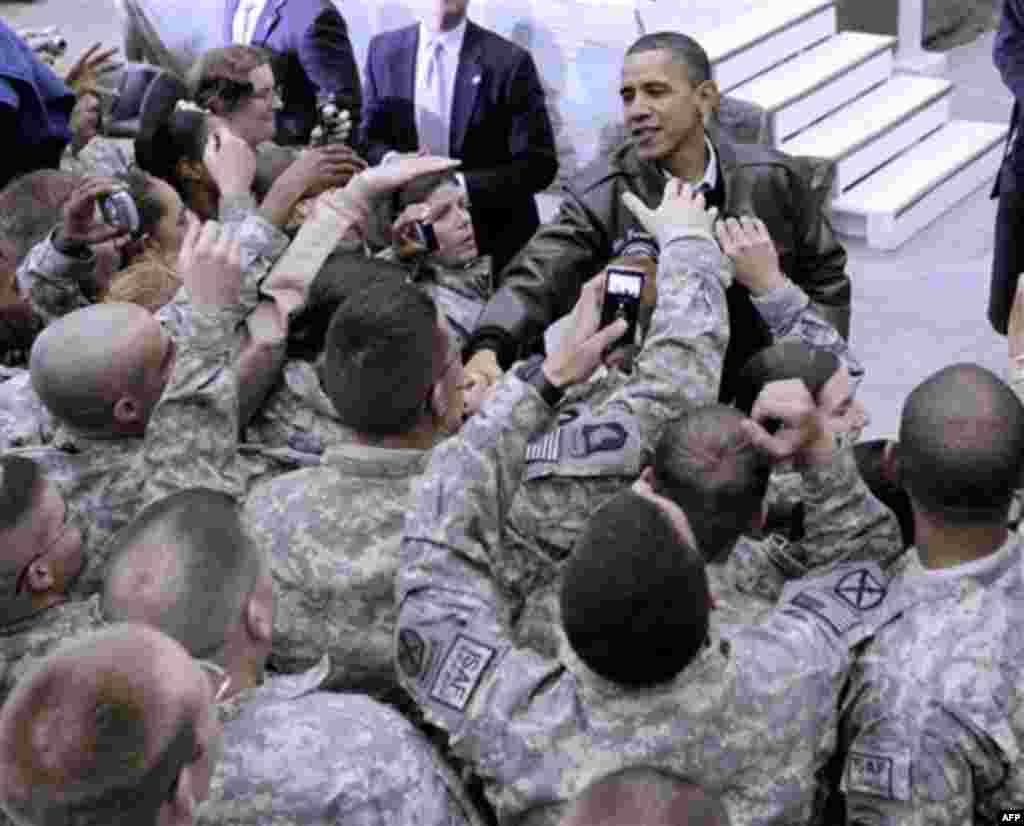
476,80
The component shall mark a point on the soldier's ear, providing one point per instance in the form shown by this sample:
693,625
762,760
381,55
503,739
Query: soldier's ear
39,578
259,610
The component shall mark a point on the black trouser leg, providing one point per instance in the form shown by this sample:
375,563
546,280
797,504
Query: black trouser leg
1008,262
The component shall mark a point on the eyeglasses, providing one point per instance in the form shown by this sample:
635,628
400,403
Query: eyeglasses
65,525
215,672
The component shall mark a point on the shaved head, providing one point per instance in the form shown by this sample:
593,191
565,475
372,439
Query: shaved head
84,362
961,445
186,567
100,730
640,796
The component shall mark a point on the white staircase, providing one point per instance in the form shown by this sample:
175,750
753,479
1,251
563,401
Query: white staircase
901,162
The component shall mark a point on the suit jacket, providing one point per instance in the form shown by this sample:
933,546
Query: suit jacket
500,128
787,193
315,53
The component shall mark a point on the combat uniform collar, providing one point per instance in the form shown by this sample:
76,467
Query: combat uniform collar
73,441
277,688
89,609
371,461
915,584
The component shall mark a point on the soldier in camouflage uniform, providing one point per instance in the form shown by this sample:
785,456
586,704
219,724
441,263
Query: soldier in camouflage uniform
932,723
41,557
293,753
334,564
749,716
191,435
24,419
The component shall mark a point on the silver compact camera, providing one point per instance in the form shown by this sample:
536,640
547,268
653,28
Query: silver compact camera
119,210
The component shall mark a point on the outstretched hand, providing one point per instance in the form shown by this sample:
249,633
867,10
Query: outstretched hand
582,350
209,264
84,74
681,213
384,178
747,242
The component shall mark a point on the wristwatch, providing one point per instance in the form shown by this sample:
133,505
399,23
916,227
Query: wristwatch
530,371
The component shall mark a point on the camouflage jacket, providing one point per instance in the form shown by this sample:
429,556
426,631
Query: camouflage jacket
933,724
607,427
24,419
788,312
751,718
331,534
297,416
25,642
295,755
191,440
57,284
101,156
460,292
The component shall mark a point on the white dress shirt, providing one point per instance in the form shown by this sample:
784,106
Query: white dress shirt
452,41
246,17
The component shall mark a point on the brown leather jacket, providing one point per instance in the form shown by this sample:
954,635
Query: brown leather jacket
543,281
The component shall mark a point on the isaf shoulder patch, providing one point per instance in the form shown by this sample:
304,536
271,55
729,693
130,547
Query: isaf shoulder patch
885,775
461,671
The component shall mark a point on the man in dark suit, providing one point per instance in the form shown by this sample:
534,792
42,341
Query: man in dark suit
312,41
454,88
1008,261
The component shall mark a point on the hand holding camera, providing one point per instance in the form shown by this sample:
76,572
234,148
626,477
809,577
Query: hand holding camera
334,125
582,350
412,233
79,228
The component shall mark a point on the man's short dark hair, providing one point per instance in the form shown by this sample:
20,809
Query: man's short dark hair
382,357
961,445
634,597
789,358
706,464
216,568
223,73
684,49
420,189
30,206
343,274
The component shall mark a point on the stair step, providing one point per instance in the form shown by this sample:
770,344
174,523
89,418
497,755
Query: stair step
764,37
913,189
817,82
870,131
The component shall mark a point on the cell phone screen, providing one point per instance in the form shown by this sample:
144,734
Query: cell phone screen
622,299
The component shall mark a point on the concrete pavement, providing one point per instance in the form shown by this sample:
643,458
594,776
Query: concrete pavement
914,310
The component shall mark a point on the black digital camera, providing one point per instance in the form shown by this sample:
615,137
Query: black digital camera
622,299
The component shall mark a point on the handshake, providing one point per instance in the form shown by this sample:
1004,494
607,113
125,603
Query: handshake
682,213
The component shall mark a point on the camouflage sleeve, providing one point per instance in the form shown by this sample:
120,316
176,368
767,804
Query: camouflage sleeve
788,312
907,769
785,676
192,435
56,284
844,522
452,640
681,361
